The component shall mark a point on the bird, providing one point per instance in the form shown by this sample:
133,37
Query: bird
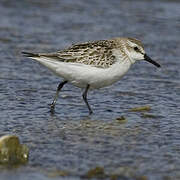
93,64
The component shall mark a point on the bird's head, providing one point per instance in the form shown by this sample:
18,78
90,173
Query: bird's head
135,51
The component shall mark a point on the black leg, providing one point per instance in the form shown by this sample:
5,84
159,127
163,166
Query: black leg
85,98
57,93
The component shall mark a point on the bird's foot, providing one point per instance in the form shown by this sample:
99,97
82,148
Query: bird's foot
52,107
90,112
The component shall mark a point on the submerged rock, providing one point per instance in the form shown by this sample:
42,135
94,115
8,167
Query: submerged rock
11,151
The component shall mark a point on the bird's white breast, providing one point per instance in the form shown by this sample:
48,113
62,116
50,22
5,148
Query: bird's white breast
80,74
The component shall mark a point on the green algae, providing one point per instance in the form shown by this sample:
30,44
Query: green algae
97,172
122,172
121,119
141,108
146,115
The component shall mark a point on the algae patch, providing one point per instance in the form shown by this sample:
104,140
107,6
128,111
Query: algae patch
145,115
116,174
97,172
141,108
121,119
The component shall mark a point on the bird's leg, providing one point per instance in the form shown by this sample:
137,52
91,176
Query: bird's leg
85,99
57,93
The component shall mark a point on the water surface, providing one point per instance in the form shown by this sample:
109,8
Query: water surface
70,140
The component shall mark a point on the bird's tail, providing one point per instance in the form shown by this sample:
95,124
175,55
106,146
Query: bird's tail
29,54
48,62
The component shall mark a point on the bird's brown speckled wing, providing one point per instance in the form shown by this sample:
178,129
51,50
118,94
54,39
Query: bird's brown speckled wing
97,53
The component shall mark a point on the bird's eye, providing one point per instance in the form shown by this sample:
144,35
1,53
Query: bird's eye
136,49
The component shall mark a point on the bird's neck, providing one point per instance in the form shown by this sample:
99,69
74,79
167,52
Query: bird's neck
122,56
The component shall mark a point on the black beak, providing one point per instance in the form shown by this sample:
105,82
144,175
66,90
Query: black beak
147,58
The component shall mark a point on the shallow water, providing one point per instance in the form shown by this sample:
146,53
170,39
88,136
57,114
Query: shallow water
71,140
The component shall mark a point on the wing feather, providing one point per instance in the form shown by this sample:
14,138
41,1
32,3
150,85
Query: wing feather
97,53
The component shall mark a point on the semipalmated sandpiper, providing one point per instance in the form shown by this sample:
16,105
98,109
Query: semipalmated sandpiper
93,65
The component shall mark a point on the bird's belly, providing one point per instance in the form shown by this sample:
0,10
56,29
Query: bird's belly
93,81
95,77
82,75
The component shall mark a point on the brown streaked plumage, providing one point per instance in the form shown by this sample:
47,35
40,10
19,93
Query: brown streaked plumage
97,53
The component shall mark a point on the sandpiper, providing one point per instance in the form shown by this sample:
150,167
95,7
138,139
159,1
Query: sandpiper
93,65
